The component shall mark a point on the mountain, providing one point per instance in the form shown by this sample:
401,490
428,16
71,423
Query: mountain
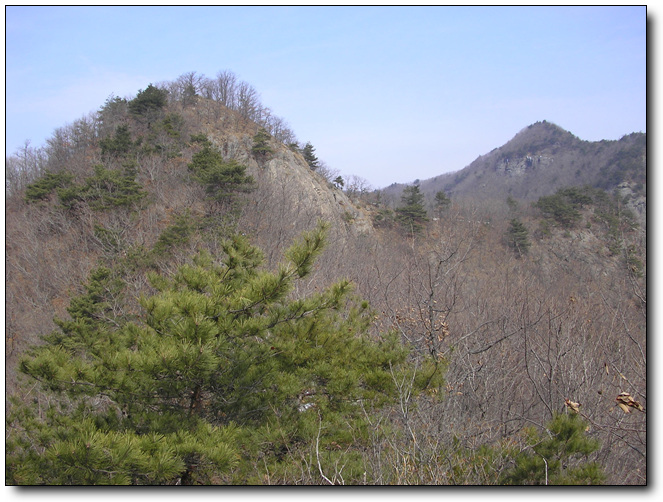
520,308
543,158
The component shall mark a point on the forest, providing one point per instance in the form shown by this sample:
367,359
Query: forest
194,298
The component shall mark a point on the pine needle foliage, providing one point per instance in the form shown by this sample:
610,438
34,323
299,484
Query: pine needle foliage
309,155
518,237
261,148
225,366
221,179
412,214
559,456
47,184
119,144
148,101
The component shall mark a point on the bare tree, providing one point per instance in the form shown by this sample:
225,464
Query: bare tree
22,168
226,89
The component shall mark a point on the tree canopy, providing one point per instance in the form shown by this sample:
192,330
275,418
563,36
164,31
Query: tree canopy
518,237
309,155
557,457
261,146
220,178
148,100
412,214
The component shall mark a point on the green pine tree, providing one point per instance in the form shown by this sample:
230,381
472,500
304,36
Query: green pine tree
442,201
148,101
512,203
563,206
221,179
309,155
174,235
412,214
559,456
47,184
518,237
224,376
261,146
106,189
119,144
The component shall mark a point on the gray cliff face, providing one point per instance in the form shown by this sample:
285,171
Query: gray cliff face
634,201
311,193
290,197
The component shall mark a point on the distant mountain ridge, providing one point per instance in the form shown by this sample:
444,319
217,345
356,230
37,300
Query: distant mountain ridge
542,158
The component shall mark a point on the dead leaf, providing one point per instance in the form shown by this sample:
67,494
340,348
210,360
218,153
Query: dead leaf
625,400
624,407
574,406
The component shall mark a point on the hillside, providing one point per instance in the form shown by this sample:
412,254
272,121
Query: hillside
134,229
543,158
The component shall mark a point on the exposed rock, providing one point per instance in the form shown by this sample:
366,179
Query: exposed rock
634,201
307,192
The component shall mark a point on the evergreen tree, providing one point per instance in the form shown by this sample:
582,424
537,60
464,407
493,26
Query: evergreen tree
442,202
563,206
106,189
310,157
118,145
201,139
189,94
412,214
223,368
175,235
111,113
558,457
221,179
149,100
261,146
149,103
47,184
517,237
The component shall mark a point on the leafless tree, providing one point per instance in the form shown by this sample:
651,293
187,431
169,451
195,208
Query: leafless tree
226,89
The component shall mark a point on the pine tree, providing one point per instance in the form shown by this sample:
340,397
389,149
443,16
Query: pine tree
224,367
563,206
221,179
310,157
261,146
560,456
47,184
148,101
442,202
189,95
512,203
517,237
412,214
120,144
148,105
106,189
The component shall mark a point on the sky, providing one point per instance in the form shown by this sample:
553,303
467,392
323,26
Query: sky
388,94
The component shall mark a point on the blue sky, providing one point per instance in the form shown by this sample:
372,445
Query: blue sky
390,94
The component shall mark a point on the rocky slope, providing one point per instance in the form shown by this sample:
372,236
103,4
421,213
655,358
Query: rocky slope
542,158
